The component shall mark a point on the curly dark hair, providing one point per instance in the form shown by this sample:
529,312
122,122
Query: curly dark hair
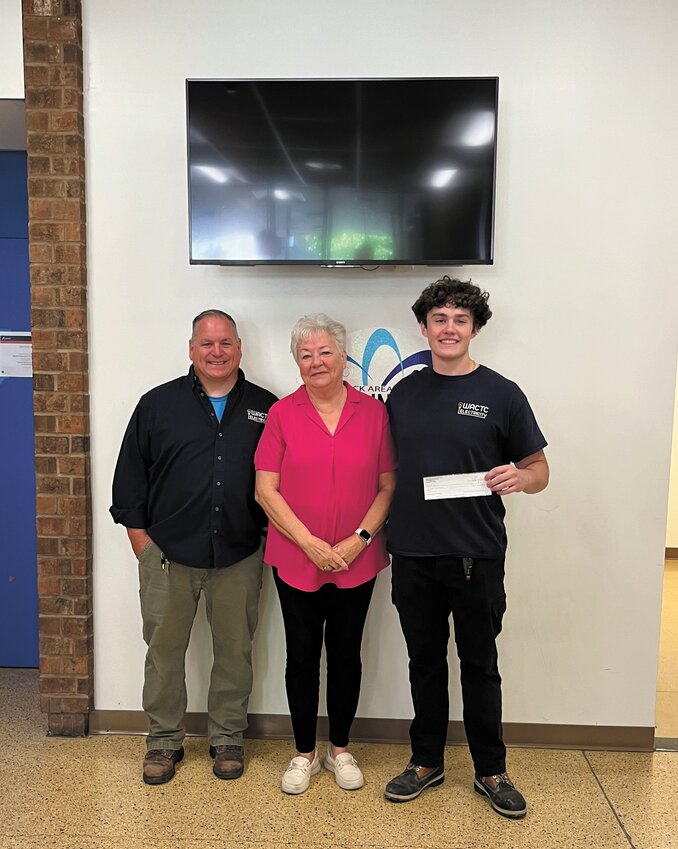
457,293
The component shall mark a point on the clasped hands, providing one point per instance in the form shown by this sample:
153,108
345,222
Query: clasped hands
333,558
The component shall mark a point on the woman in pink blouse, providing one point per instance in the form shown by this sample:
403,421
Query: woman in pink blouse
325,477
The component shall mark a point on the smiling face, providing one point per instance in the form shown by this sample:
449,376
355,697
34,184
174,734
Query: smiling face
449,331
215,352
321,363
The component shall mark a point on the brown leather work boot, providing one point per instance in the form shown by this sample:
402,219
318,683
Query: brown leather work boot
159,764
229,761
504,797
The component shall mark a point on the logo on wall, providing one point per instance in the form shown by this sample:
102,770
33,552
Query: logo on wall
381,357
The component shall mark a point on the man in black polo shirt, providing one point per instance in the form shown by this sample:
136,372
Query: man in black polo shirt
466,438
184,489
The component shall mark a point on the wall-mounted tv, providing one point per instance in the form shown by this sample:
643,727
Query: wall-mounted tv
342,172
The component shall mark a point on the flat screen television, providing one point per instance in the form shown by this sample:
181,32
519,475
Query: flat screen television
342,172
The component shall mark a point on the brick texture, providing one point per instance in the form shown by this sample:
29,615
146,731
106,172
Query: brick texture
52,31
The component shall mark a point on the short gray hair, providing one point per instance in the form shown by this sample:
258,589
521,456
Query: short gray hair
213,314
310,325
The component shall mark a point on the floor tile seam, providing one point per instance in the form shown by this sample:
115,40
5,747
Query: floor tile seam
609,801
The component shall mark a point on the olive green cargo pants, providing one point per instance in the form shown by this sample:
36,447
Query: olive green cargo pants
169,596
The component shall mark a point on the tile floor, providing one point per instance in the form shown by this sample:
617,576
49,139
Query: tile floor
87,794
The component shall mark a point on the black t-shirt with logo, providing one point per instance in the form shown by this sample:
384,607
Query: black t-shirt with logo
454,425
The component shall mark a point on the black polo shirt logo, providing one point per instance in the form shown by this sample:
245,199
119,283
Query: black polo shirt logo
257,416
476,411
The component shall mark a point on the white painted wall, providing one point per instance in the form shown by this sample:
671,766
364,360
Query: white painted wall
11,51
583,290
12,115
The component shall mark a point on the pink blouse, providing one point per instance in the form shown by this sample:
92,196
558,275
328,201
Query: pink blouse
329,481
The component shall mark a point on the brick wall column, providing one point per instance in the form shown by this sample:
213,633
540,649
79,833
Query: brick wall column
56,191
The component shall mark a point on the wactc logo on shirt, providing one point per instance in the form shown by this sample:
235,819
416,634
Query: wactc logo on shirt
478,411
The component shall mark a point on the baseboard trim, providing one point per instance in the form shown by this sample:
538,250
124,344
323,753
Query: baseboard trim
371,730
671,554
666,744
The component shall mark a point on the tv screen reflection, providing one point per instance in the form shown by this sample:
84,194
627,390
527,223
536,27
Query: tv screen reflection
364,172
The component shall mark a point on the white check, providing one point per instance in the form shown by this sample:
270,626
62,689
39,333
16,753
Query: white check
456,486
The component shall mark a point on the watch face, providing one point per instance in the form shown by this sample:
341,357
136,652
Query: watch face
364,535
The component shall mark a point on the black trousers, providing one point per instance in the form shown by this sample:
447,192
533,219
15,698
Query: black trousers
341,614
425,591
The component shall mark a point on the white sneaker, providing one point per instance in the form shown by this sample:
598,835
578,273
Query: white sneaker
297,776
346,771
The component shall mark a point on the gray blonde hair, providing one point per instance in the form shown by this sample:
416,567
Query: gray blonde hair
310,325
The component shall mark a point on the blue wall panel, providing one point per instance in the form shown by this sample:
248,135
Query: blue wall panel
18,556
13,195
18,581
15,291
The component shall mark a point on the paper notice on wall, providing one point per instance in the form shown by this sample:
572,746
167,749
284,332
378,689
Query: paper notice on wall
16,354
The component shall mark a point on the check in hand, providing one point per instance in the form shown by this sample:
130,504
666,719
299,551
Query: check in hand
324,556
506,480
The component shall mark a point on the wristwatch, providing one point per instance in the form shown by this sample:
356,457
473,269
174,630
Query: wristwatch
364,535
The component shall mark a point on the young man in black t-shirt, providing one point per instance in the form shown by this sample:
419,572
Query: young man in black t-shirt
466,438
